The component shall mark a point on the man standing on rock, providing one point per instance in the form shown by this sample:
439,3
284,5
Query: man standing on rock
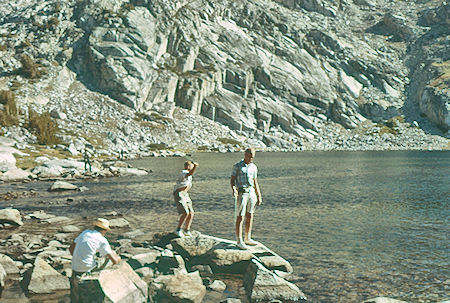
83,250
247,194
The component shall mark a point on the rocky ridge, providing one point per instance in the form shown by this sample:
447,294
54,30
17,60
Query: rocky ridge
144,76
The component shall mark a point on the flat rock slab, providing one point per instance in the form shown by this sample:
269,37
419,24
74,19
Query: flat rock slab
224,256
62,186
11,216
187,288
119,284
41,215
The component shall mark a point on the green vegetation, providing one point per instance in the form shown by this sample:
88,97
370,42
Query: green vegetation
229,141
203,148
8,116
157,146
390,126
43,126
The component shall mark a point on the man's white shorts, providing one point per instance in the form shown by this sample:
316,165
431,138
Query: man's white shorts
245,203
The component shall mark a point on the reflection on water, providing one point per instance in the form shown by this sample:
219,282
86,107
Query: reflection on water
353,224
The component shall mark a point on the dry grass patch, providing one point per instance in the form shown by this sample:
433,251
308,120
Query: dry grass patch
43,126
8,116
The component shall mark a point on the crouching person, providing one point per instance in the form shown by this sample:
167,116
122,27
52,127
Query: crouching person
83,250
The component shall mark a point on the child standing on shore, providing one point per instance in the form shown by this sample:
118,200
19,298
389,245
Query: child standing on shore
182,199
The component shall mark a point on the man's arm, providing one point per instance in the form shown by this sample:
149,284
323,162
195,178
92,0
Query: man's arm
233,186
258,192
72,248
115,258
193,169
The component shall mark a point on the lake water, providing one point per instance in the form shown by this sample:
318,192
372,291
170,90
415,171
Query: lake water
353,224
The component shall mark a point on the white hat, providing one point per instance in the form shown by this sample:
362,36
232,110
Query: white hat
102,223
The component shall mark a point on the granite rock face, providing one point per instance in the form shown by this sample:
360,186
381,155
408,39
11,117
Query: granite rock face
274,74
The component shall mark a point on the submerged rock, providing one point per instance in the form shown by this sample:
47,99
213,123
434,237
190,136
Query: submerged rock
263,285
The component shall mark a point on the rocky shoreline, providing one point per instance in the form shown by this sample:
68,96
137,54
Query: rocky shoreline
35,265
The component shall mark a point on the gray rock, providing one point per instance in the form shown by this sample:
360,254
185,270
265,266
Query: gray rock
2,279
9,266
70,229
180,287
11,216
15,174
44,279
218,286
62,186
118,223
7,161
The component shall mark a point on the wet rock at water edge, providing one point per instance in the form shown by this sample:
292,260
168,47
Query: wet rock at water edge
62,186
383,300
11,216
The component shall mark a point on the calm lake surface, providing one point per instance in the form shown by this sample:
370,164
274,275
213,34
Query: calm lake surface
353,224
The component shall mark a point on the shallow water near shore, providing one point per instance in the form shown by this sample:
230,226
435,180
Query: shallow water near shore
353,224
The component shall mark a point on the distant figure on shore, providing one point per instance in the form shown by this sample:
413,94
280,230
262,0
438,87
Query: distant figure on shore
121,154
246,192
83,250
87,161
182,199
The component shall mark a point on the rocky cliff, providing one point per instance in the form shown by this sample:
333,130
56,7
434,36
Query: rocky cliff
283,74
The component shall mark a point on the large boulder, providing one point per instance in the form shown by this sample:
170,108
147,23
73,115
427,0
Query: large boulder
15,174
44,279
262,284
11,216
118,284
182,287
